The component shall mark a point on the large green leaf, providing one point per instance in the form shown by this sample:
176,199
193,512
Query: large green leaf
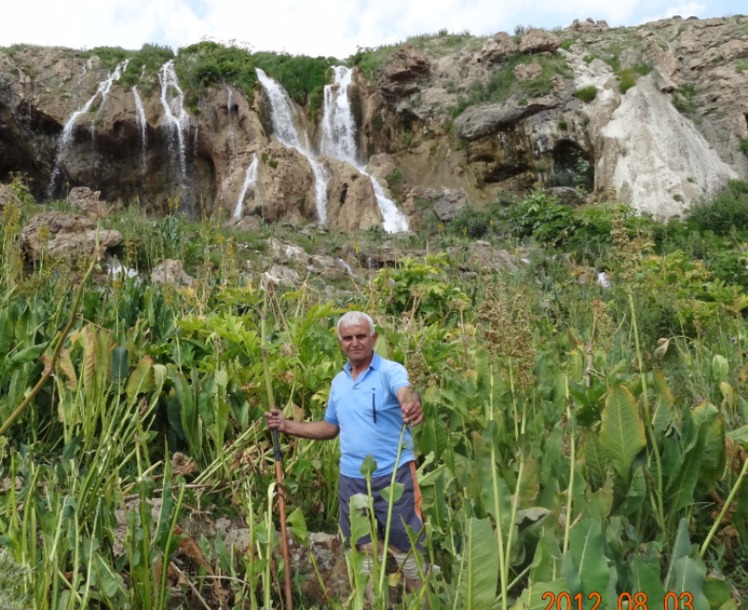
541,595
680,487
546,563
588,571
636,493
663,414
714,456
595,458
622,430
645,578
479,567
681,548
688,582
140,380
6,334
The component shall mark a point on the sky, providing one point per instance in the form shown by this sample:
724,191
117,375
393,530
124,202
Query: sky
334,28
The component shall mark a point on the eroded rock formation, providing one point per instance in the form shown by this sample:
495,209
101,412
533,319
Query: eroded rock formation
431,116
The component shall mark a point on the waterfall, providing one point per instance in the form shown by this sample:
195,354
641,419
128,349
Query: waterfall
230,109
66,138
339,141
338,126
142,124
176,119
249,181
285,126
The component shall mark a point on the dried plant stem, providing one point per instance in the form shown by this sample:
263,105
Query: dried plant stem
733,492
55,354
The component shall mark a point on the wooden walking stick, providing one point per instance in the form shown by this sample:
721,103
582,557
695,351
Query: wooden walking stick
278,457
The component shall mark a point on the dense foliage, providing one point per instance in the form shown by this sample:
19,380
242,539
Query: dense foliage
580,438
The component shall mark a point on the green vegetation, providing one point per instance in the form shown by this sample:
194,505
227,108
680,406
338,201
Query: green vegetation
109,56
396,183
209,64
684,99
503,83
304,78
629,75
577,439
370,60
586,94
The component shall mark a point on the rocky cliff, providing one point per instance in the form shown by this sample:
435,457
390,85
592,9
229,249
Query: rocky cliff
656,113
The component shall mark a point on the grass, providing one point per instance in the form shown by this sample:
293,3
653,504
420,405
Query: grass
503,83
586,94
629,75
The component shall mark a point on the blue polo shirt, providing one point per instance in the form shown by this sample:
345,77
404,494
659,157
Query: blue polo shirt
368,414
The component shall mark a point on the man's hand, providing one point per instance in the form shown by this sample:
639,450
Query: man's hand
275,420
410,405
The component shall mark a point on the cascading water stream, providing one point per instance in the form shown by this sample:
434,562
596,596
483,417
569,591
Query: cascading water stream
66,138
285,126
249,181
142,124
176,119
339,141
230,110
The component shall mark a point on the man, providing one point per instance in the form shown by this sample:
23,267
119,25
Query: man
370,400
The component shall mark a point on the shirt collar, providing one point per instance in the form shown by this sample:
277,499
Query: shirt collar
376,360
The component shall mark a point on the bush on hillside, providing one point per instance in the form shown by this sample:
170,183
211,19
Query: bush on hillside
539,216
726,212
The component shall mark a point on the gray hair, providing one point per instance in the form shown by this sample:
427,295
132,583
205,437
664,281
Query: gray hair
355,317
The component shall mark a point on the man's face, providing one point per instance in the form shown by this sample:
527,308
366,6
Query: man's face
356,342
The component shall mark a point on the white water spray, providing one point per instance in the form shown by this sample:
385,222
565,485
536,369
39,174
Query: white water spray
66,137
250,178
176,119
285,126
339,141
142,123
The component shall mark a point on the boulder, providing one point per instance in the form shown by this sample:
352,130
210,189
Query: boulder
7,195
351,200
539,41
402,74
589,25
172,272
527,71
479,121
60,235
497,48
87,201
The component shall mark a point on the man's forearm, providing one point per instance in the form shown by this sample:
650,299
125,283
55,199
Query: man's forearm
316,430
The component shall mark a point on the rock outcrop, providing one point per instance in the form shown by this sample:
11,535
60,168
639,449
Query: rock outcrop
485,117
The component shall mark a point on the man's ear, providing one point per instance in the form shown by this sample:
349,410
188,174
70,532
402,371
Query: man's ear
375,336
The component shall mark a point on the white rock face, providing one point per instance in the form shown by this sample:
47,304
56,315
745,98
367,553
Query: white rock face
654,157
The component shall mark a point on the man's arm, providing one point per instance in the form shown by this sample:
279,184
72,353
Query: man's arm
410,405
316,430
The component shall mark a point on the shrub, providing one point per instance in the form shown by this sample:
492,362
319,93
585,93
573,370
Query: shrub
684,100
586,94
502,83
471,222
727,211
629,75
542,218
395,182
